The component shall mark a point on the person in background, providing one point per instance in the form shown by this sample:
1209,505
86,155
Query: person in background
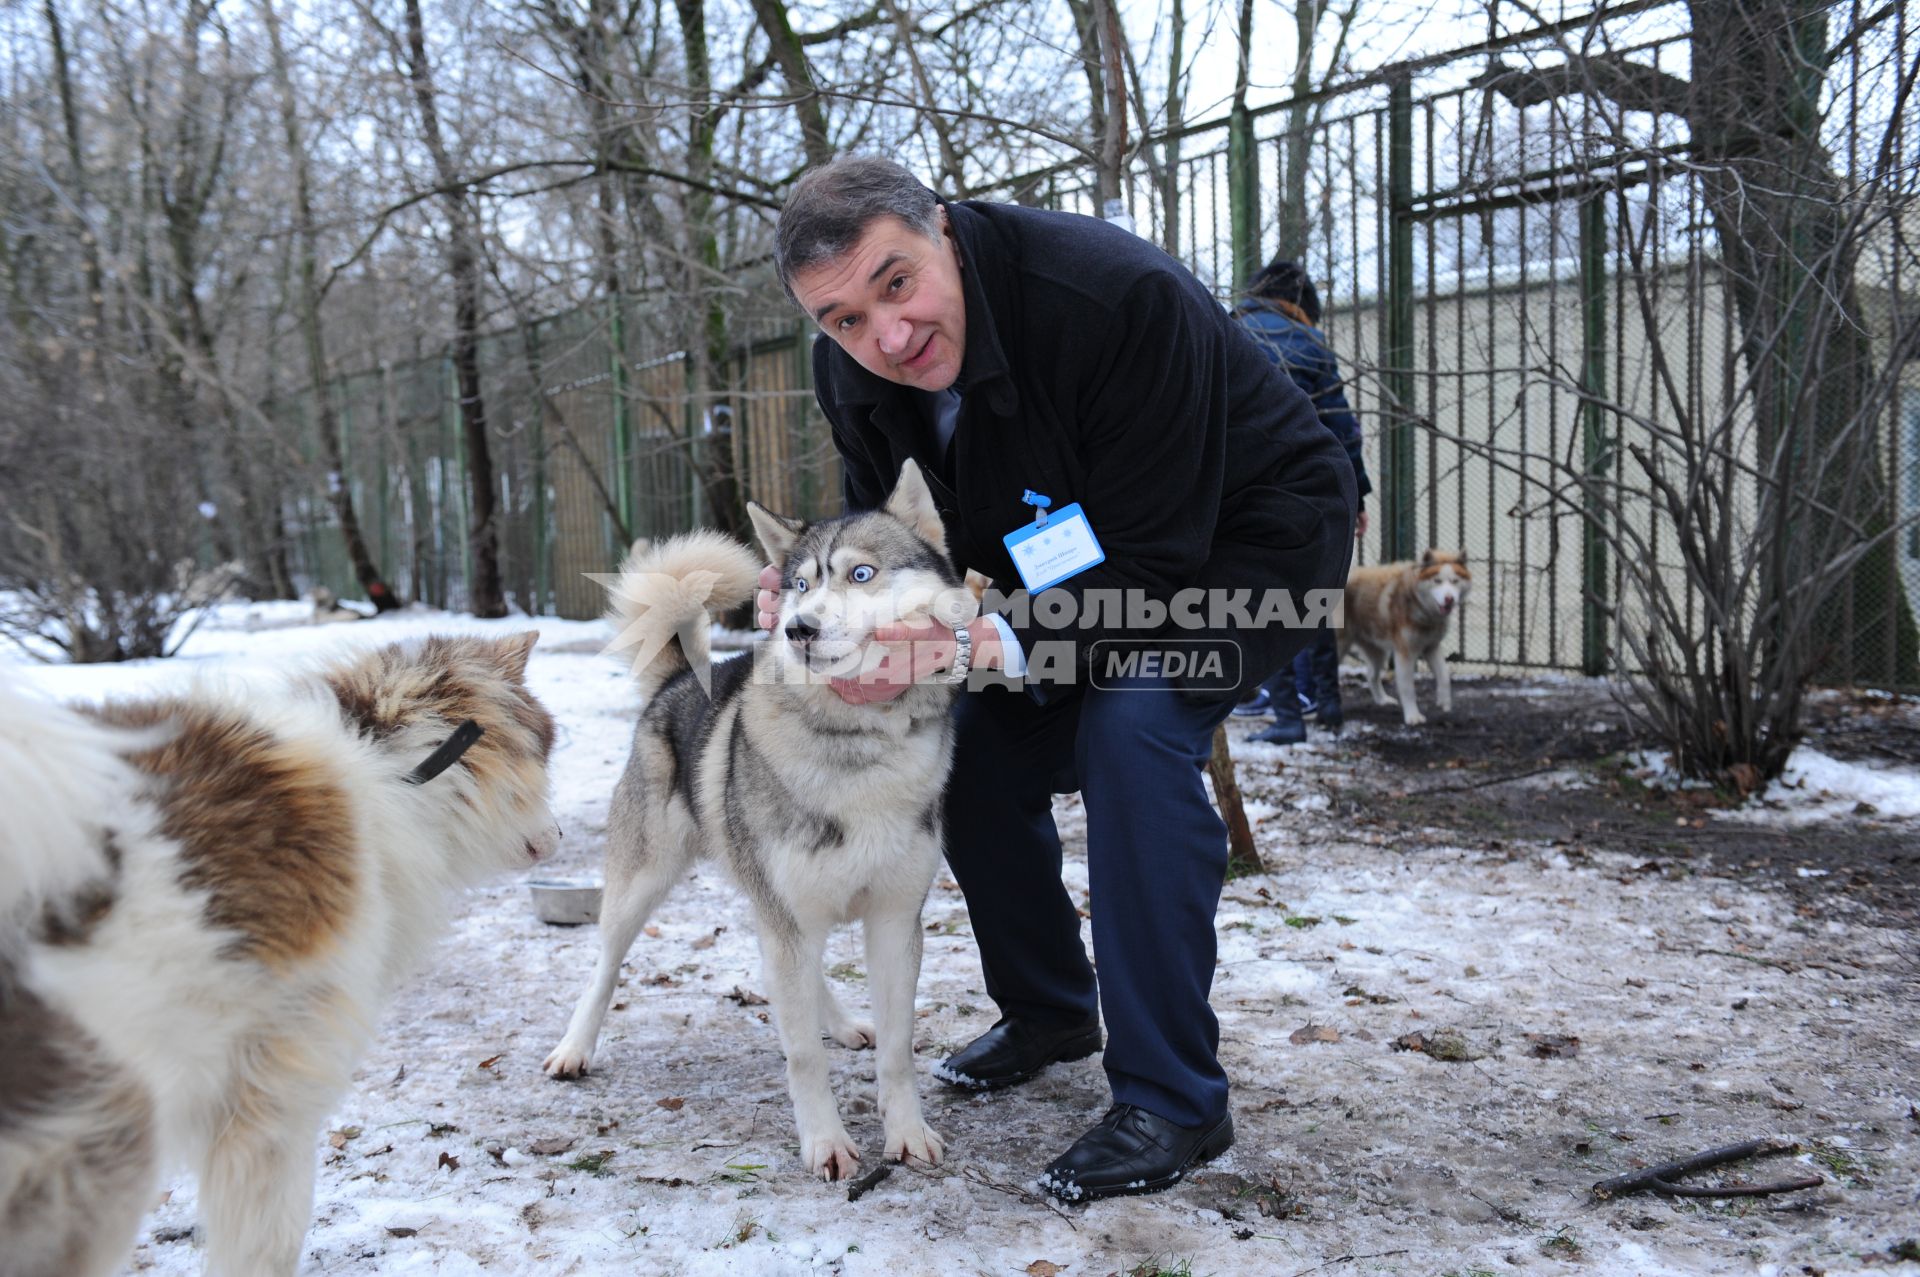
1282,311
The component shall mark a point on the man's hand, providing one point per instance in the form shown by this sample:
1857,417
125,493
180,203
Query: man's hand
1359,526
767,602
912,653
899,657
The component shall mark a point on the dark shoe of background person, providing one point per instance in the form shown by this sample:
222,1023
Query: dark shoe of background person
1254,706
1285,731
1014,1050
1327,713
1133,1151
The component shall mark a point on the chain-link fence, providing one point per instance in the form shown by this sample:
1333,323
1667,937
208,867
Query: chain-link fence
1570,360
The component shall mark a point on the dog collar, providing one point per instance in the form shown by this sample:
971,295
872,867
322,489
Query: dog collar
448,753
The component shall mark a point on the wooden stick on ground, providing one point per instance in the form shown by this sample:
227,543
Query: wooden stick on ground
1242,856
1659,1179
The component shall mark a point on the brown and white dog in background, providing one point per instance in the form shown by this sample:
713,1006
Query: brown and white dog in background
205,900
1401,610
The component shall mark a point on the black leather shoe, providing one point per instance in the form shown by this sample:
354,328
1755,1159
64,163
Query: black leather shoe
1133,1151
1014,1050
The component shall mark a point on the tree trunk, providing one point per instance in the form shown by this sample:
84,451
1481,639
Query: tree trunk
484,594
1087,21
773,18
707,346
1782,221
339,491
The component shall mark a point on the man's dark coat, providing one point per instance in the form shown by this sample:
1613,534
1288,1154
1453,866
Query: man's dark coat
1099,370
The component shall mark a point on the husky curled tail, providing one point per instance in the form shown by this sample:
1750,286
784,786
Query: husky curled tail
667,595
60,774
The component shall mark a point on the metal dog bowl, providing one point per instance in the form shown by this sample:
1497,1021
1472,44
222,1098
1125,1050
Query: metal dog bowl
565,902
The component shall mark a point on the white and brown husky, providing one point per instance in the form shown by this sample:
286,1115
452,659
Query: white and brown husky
204,902
1401,611
821,811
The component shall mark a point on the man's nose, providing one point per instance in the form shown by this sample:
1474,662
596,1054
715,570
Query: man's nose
895,332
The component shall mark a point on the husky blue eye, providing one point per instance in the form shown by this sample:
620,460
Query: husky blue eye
799,585
862,574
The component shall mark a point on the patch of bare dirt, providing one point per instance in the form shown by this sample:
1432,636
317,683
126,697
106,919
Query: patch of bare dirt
1525,760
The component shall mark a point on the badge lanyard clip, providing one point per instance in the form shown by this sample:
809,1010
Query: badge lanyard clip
1039,502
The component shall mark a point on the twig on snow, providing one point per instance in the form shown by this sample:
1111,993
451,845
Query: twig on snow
1659,1179
867,1181
1347,1259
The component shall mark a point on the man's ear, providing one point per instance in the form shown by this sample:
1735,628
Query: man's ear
912,504
777,532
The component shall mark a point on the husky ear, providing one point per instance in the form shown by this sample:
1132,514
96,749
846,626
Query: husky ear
777,532
513,653
912,504
1426,558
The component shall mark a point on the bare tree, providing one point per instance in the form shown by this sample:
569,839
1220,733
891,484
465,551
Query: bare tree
339,490
1773,496
484,594
1790,231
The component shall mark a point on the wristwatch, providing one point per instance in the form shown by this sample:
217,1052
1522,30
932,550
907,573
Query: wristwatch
962,655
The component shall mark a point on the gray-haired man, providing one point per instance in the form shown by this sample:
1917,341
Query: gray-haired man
1031,360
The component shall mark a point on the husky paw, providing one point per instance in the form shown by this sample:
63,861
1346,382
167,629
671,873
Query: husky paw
916,1142
1381,698
831,1156
566,1063
857,1034
1414,718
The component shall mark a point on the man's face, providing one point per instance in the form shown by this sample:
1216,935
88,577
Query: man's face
894,303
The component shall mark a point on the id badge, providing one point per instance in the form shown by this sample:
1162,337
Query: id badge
1048,553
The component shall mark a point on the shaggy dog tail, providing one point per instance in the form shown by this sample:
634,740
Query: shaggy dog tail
60,776
668,595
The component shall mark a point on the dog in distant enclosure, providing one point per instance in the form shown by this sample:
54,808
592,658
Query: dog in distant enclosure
205,900
821,811
1402,611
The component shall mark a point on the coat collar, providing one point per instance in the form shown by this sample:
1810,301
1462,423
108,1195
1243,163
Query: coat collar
986,285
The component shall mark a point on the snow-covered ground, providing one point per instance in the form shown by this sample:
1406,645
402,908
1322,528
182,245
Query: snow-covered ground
1705,1012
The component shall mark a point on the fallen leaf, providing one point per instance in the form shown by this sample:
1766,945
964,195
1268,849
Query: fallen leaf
1447,1045
548,1147
673,1103
1553,1046
490,1061
1311,1032
402,1232
447,1160
746,997
704,942
1043,1268
653,932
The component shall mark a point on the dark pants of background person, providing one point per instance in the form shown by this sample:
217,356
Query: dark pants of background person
1156,859
1314,673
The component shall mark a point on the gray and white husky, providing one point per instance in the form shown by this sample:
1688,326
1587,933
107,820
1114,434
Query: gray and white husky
822,812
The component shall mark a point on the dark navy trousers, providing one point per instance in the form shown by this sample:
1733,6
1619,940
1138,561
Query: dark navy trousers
1156,858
